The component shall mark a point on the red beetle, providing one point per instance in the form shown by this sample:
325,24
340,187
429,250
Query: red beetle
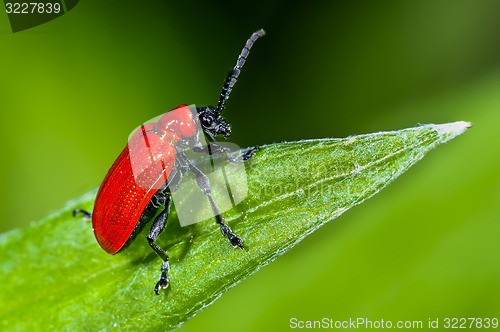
125,202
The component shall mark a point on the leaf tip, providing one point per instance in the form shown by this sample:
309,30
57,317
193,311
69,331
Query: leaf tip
449,131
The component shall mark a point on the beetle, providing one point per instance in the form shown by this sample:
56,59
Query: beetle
125,203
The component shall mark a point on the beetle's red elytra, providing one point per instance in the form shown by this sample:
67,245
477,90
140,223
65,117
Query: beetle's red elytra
121,196
151,167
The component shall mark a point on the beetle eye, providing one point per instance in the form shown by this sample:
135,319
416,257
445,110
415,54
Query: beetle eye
206,121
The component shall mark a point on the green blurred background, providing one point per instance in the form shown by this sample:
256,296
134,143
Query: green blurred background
72,90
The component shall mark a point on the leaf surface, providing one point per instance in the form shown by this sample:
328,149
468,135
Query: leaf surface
54,275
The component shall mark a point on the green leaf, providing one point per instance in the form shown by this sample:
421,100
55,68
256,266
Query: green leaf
55,276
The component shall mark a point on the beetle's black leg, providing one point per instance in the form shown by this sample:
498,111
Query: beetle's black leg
204,184
86,215
211,149
250,153
244,156
217,149
157,227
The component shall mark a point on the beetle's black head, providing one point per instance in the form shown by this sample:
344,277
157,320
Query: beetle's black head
212,123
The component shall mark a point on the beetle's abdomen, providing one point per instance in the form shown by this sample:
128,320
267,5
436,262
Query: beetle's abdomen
135,177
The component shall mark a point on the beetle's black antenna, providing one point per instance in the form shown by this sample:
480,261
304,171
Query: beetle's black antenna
235,72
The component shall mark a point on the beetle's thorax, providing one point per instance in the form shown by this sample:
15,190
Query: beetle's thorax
176,125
